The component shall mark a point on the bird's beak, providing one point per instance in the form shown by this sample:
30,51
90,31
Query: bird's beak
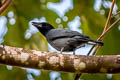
36,24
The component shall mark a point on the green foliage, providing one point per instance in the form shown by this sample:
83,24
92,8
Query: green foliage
92,24
14,74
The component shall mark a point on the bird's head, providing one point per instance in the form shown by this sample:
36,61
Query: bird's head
43,27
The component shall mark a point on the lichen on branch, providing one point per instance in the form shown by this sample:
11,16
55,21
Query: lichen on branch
59,62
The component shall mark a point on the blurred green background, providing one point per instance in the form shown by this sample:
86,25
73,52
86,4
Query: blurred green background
85,16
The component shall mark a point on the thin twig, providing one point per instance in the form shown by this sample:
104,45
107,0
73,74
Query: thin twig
109,28
91,49
109,16
106,26
115,14
101,37
5,5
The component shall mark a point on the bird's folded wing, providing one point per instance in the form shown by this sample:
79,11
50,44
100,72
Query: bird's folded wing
64,33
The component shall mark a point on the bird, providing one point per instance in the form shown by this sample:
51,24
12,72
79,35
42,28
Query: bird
64,40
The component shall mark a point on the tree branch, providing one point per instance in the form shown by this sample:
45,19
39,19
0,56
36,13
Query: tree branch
59,62
5,5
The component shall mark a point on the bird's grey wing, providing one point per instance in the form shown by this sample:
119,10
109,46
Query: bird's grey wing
64,33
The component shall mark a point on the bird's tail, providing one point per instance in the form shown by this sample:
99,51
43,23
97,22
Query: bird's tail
93,42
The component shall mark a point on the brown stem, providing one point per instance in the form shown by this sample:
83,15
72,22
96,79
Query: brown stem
109,28
109,16
5,5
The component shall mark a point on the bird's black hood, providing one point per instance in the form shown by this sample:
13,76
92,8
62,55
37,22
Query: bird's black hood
43,27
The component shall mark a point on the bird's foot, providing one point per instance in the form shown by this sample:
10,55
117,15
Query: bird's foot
61,50
74,53
3,45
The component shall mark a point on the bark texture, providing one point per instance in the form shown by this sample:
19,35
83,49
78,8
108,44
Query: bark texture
59,62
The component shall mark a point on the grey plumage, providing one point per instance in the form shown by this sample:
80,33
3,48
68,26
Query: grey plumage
64,39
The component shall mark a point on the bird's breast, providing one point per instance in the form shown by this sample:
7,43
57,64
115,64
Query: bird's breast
61,43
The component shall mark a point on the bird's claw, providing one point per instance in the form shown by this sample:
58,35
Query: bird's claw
61,50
